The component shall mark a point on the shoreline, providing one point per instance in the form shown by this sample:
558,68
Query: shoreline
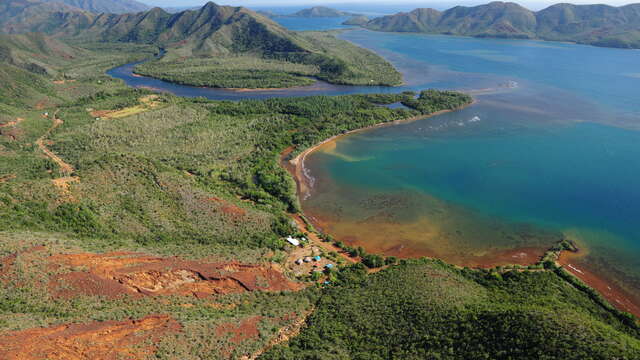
296,165
616,296
613,293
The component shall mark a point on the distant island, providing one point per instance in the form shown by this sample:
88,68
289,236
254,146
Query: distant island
321,12
599,25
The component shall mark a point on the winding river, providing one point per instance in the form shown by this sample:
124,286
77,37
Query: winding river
550,149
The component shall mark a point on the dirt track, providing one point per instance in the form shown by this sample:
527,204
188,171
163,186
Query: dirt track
65,168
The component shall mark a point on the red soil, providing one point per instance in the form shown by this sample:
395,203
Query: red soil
108,340
229,208
12,123
118,273
245,330
617,296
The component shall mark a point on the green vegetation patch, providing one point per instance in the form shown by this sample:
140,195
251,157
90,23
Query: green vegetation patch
230,72
426,309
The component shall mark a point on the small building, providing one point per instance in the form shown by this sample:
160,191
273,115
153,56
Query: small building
329,266
292,241
299,261
316,258
307,259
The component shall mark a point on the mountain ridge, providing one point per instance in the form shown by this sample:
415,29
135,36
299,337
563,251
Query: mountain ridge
600,25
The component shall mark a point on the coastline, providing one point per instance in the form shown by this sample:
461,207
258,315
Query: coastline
615,295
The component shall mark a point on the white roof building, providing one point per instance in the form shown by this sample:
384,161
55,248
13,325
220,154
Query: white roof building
292,241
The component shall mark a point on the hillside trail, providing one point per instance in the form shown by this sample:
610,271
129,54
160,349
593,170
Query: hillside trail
65,168
62,183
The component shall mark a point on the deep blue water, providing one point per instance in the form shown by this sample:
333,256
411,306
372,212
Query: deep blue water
303,24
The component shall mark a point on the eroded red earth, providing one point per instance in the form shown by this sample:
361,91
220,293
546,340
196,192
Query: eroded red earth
107,340
117,273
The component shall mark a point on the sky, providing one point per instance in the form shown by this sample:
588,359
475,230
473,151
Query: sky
359,4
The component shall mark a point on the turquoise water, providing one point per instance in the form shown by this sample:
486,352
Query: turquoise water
552,145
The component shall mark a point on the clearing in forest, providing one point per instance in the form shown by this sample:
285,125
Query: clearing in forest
146,103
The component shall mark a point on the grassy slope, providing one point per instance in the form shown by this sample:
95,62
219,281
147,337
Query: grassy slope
429,310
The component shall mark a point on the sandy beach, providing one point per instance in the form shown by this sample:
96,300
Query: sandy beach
296,165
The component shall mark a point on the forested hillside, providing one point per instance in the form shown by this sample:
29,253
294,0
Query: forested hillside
425,309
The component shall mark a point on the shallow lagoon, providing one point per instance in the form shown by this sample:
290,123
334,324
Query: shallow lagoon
551,149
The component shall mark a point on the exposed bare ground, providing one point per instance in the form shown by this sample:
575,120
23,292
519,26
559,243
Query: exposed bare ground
146,103
62,184
118,273
246,329
65,168
108,340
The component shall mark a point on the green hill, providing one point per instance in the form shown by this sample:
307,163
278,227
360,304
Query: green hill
28,62
34,68
600,25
